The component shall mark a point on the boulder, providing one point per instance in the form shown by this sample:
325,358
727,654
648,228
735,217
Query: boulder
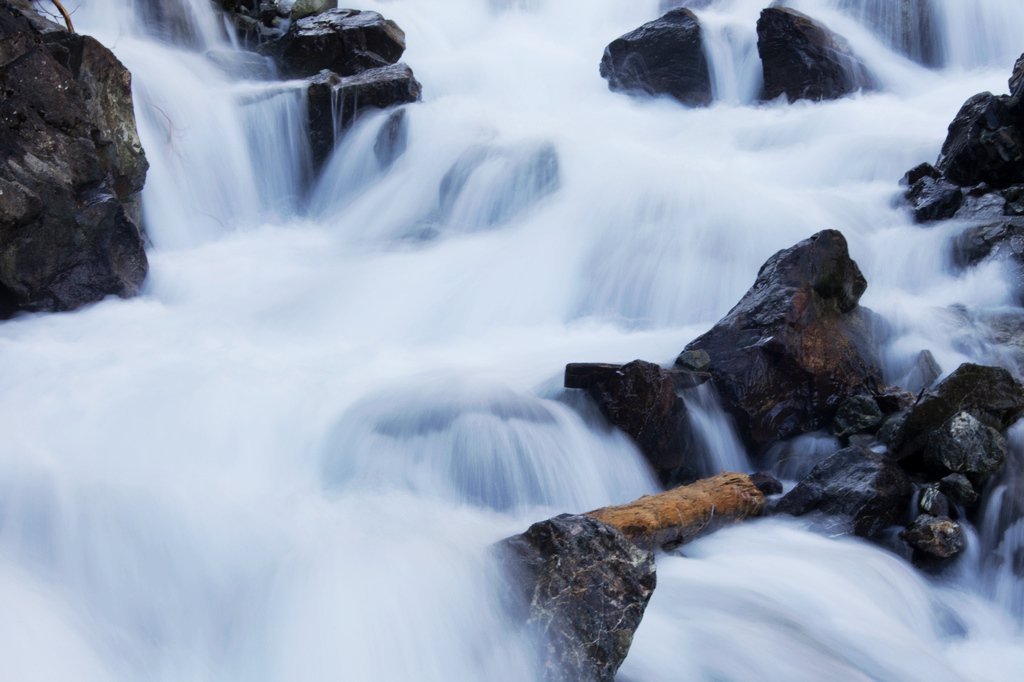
933,502
581,588
963,445
984,144
796,345
958,489
1017,78
694,360
935,537
344,41
68,154
859,414
1003,238
932,200
307,8
923,373
662,57
803,59
868,489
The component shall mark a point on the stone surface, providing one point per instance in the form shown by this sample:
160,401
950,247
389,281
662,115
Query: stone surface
796,345
963,445
1003,238
581,588
344,41
1017,78
938,537
662,57
869,489
859,414
766,483
984,144
803,59
958,489
65,237
933,502
922,170
696,360
932,200
922,374
307,8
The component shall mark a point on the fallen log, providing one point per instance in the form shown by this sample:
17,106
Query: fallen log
674,517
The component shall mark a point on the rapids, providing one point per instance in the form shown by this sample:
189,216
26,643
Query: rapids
287,458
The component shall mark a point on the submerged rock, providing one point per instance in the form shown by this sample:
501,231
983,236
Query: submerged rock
662,57
937,537
803,59
867,488
796,345
581,587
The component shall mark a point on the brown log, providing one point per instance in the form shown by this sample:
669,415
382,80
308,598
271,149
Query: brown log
674,517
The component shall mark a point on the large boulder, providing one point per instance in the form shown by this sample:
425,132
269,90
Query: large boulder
796,345
868,489
581,587
662,57
935,537
803,59
963,445
345,41
69,155
984,143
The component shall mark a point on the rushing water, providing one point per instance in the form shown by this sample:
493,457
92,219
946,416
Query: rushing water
286,459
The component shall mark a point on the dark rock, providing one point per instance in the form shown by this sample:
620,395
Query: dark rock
939,537
333,102
662,57
345,41
922,374
910,27
869,489
889,427
894,399
802,59
766,483
963,445
796,345
1017,78
933,502
922,170
1014,196
587,374
981,203
305,8
65,157
1004,238
984,144
392,139
934,199
581,587
959,489
859,414
989,394
696,360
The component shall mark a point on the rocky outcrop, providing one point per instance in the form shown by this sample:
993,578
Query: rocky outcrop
796,345
580,588
662,57
868,489
802,59
70,163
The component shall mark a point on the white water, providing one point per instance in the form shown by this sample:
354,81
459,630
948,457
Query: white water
287,458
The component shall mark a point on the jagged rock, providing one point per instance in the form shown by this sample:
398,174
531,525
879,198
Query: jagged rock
803,59
933,502
306,8
981,202
989,394
869,489
334,102
922,374
766,483
1004,238
959,489
859,414
1017,78
392,139
796,345
932,199
65,237
890,426
894,399
910,27
662,57
963,445
581,587
984,144
938,537
696,360
344,41
922,170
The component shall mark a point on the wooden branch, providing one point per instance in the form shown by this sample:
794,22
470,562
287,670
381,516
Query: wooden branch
64,13
674,517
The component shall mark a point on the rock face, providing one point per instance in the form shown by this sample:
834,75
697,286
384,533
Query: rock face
582,588
939,537
803,59
963,445
796,345
69,158
869,489
662,57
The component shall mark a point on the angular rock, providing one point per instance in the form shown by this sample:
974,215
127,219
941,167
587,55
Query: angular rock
894,399
1004,238
933,502
1017,78
958,489
922,170
695,360
796,345
932,199
306,8
859,414
869,489
963,445
803,59
344,41
65,237
662,57
938,537
922,374
984,144
581,587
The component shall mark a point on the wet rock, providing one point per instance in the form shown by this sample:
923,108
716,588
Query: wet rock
933,502
803,59
1004,238
869,489
963,445
938,537
910,27
392,139
932,199
989,394
344,41
68,149
307,8
696,360
920,171
981,203
796,345
859,414
984,144
894,399
587,374
662,57
889,427
958,489
1017,78
922,374
766,483
581,588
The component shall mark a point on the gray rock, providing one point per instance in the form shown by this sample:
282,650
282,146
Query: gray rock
937,537
696,360
933,502
984,144
932,200
963,445
922,374
859,414
958,489
306,8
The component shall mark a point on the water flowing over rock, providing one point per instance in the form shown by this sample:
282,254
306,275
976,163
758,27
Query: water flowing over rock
796,345
69,157
911,27
803,59
581,587
869,489
662,57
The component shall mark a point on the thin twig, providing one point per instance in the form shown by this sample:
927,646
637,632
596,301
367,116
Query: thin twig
64,13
